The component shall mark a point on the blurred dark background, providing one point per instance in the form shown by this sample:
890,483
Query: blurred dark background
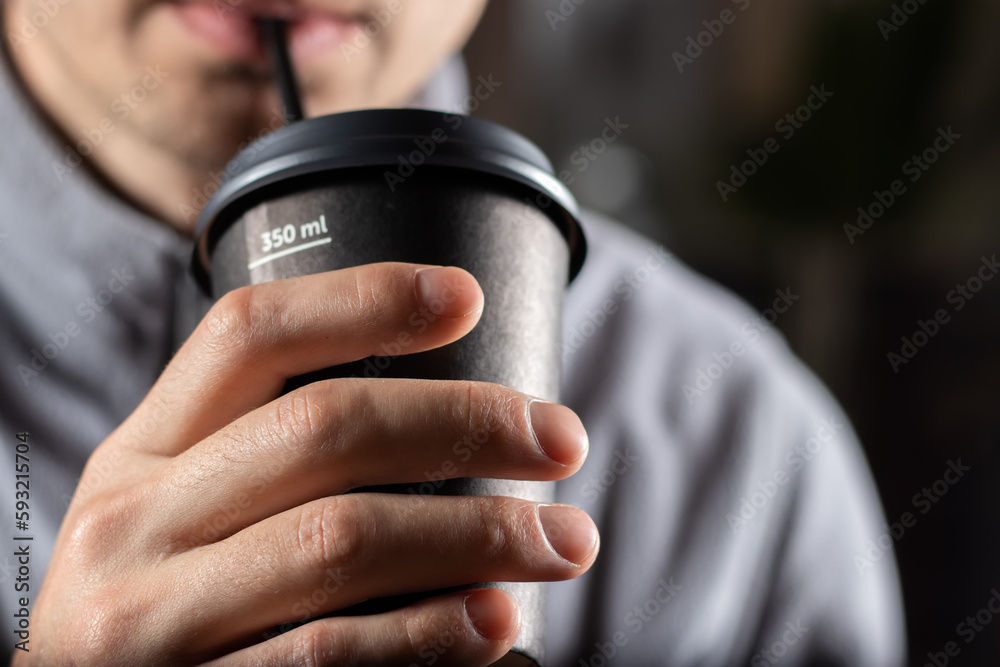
896,86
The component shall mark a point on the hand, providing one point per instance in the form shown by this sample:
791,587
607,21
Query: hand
217,510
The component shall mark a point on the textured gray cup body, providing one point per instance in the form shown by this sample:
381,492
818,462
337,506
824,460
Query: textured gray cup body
441,215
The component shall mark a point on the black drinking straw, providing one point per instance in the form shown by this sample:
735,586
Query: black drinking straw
273,32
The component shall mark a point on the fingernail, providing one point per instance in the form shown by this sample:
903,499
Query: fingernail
569,530
493,613
448,291
558,431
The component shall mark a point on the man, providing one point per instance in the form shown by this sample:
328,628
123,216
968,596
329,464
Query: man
731,495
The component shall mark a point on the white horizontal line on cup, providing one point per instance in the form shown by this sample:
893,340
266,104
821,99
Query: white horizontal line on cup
288,251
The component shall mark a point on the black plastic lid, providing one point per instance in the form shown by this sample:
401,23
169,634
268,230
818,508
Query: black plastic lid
379,138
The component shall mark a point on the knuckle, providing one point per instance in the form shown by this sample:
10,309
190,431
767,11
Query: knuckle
330,533
235,321
321,420
301,416
365,302
376,288
419,631
487,408
96,531
396,280
505,524
434,631
102,634
318,644
111,628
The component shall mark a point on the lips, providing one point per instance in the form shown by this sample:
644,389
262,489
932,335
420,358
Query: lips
229,28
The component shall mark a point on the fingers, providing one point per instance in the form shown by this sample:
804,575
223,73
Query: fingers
330,437
461,630
363,546
255,338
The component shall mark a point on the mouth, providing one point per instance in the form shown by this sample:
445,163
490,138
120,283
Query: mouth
229,27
